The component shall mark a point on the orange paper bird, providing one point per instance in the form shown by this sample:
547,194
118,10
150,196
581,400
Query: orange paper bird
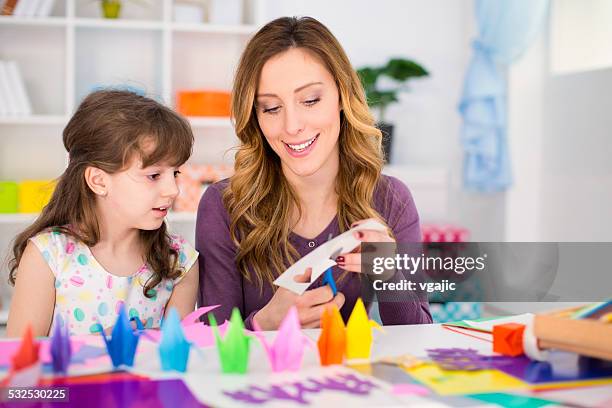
27,354
332,341
26,367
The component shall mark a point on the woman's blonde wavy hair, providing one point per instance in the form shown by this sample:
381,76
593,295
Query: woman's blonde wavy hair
259,198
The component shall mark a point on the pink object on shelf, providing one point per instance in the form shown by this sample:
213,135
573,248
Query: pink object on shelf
191,183
444,233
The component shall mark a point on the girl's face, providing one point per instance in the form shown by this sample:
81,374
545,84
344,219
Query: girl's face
140,197
298,110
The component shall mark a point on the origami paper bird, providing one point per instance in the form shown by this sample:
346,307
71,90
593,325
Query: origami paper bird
234,348
61,349
332,340
123,342
328,279
25,370
286,353
174,347
359,333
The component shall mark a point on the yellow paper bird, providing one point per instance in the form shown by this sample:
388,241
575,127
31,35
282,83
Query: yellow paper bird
359,333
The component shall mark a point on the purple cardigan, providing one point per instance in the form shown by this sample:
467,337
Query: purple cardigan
221,283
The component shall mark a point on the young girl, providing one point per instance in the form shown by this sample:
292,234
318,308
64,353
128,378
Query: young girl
101,243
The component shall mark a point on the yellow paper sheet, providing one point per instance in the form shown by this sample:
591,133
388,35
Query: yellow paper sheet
449,382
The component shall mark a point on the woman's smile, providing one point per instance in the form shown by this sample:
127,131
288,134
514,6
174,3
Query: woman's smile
301,149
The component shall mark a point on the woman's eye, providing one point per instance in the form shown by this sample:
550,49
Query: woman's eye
153,176
272,110
311,102
176,173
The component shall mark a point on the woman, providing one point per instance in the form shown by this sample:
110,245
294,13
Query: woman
307,168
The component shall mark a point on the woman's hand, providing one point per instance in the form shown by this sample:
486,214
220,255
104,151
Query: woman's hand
310,305
352,261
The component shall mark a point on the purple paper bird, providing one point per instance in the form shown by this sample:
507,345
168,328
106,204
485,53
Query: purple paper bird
61,349
286,353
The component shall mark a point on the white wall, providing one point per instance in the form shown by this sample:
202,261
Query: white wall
560,144
577,158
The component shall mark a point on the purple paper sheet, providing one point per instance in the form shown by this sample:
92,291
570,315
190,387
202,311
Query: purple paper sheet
560,367
125,393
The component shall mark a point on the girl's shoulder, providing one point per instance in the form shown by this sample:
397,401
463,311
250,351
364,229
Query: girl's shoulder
56,238
57,246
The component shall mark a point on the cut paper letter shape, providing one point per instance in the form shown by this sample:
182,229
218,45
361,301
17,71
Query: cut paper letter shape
234,348
25,370
332,340
173,347
123,342
323,257
508,339
287,351
61,349
359,333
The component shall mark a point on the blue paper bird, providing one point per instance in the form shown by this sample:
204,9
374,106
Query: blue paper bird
61,349
174,347
123,342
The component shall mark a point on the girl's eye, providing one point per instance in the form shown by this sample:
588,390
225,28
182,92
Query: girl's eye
153,176
311,102
176,173
272,110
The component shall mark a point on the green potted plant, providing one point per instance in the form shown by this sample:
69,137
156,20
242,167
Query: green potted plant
397,71
112,8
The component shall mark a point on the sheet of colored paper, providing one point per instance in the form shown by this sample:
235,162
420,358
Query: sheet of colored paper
561,370
510,400
448,382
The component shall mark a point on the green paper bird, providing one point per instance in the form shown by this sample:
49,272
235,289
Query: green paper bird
234,348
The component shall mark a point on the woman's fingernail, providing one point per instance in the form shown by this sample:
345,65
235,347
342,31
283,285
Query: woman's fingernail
340,259
359,234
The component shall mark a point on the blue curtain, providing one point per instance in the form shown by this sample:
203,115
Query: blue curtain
505,30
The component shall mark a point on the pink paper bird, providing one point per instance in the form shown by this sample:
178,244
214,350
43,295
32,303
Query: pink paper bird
286,353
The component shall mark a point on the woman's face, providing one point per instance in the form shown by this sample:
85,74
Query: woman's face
298,110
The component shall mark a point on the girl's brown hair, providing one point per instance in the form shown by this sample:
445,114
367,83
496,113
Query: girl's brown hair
259,198
108,131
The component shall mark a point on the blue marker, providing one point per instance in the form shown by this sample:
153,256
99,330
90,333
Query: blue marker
328,279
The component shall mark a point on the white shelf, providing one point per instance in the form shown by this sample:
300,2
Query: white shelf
243,29
33,21
42,120
19,218
118,24
223,122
